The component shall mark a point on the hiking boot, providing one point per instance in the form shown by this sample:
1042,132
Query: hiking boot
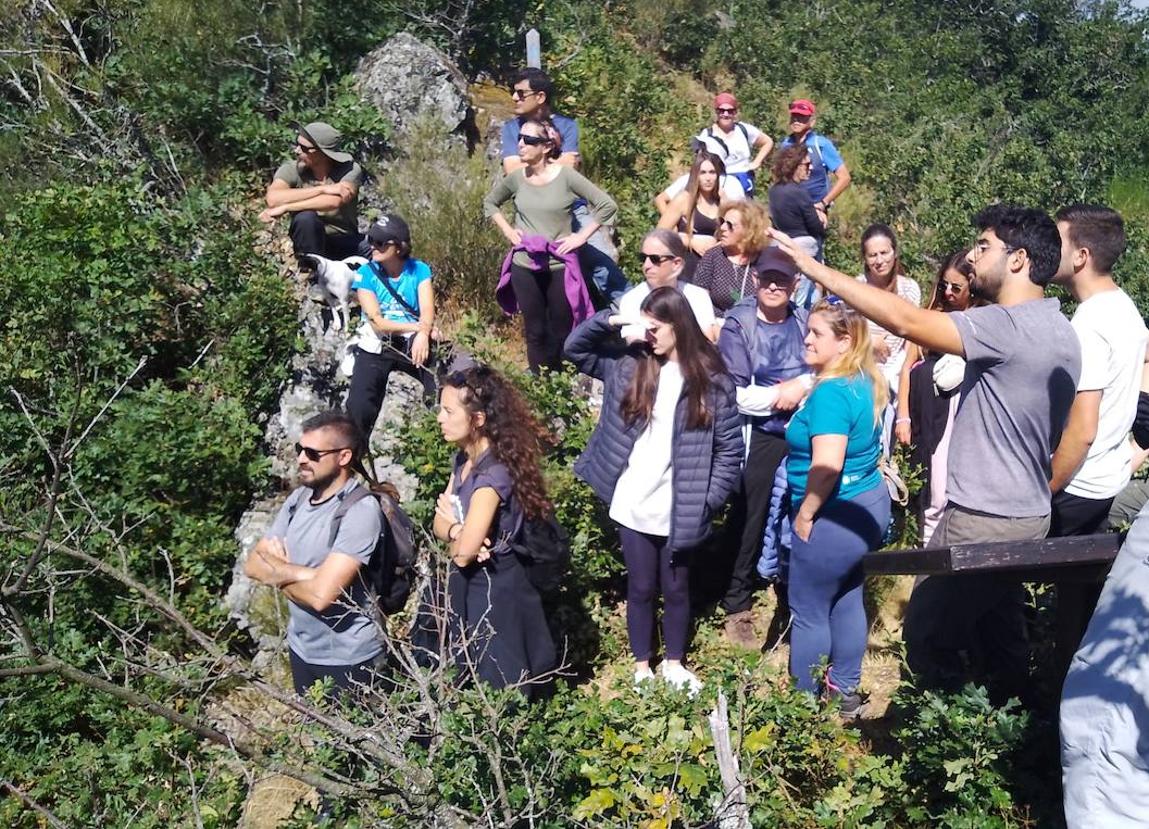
674,674
740,630
850,706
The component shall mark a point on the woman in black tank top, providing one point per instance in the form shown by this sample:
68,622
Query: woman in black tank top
694,212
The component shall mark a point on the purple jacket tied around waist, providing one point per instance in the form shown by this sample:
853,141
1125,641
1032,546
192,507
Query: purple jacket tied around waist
540,250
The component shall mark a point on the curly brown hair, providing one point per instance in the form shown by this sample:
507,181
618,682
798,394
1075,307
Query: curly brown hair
517,438
787,162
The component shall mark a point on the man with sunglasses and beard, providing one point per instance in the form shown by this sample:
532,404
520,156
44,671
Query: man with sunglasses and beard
1023,361
320,189
329,632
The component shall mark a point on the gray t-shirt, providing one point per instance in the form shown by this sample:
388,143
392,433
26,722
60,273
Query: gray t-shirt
1022,367
341,634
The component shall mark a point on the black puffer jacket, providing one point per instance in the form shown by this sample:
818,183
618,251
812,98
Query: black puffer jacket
706,461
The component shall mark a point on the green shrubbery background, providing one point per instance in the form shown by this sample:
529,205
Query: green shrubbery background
143,341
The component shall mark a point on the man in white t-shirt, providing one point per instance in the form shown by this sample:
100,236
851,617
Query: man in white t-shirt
663,256
1092,461
1102,747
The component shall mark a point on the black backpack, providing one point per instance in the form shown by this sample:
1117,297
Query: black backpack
544,548
390,572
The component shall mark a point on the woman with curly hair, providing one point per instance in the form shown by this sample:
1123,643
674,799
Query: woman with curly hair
665,456
792,211
494,617
727,269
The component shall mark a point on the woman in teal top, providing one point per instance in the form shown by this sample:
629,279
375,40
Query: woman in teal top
840,504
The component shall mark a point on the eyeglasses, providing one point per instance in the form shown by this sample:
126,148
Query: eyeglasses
305,148
532,140
725,110
981,246
656,258
314,454
520,94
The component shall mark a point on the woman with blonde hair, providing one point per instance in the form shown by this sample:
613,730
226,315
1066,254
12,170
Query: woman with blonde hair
839,502
727,269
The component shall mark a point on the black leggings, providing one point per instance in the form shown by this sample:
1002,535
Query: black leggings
547,318
369,384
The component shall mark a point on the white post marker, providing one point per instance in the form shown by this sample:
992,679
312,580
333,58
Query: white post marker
534,50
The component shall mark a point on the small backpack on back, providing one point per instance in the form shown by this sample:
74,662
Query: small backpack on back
390,572
544,548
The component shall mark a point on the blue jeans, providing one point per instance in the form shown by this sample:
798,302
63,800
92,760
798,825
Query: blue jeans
598,257
826,579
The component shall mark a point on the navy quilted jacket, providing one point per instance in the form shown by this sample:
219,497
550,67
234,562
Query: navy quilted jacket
706,462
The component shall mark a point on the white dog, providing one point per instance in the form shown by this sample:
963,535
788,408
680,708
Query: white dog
334,277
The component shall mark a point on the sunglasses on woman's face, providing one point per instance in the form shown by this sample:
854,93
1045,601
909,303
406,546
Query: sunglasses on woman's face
725,110
532,140
656,258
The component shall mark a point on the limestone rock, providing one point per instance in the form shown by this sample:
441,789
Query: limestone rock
410,82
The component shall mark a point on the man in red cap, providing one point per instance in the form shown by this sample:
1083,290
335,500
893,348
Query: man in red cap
734,141
827,163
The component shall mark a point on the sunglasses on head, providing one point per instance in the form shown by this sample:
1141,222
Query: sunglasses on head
313,454
656,258
532,140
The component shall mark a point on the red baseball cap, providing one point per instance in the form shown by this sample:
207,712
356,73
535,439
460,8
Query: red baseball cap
725,99
802,106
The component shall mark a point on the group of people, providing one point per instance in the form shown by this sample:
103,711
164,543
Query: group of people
744,368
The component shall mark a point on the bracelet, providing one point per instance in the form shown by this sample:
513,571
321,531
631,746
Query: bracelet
902,420
451,529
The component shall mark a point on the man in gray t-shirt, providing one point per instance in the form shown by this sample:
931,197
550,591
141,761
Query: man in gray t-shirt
1022,365
329,632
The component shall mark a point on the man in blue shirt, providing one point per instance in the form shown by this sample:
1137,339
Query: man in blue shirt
533,92
826,162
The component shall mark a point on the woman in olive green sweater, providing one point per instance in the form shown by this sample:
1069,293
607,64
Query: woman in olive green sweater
544,191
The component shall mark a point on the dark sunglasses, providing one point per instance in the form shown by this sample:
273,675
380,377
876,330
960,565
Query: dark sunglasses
532,140
382,245
656,258
956,287
313,454
729,225
519,94
725,110
303,148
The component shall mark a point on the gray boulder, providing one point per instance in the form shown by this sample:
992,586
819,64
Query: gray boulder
411,82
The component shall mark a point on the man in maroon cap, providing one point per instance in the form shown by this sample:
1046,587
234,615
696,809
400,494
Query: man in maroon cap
735,141
826,162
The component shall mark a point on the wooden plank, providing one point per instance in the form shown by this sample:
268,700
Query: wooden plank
1047,554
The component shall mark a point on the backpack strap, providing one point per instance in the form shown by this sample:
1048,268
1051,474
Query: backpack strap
710,134
292,503
385,281
346,501
746,135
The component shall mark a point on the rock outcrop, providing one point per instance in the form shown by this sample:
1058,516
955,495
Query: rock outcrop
411,82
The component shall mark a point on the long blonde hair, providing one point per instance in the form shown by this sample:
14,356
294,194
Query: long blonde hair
859,359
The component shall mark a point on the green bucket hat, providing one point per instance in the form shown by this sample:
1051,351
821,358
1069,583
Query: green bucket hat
327,139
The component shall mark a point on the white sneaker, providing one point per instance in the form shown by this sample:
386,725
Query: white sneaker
682,679
641,675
